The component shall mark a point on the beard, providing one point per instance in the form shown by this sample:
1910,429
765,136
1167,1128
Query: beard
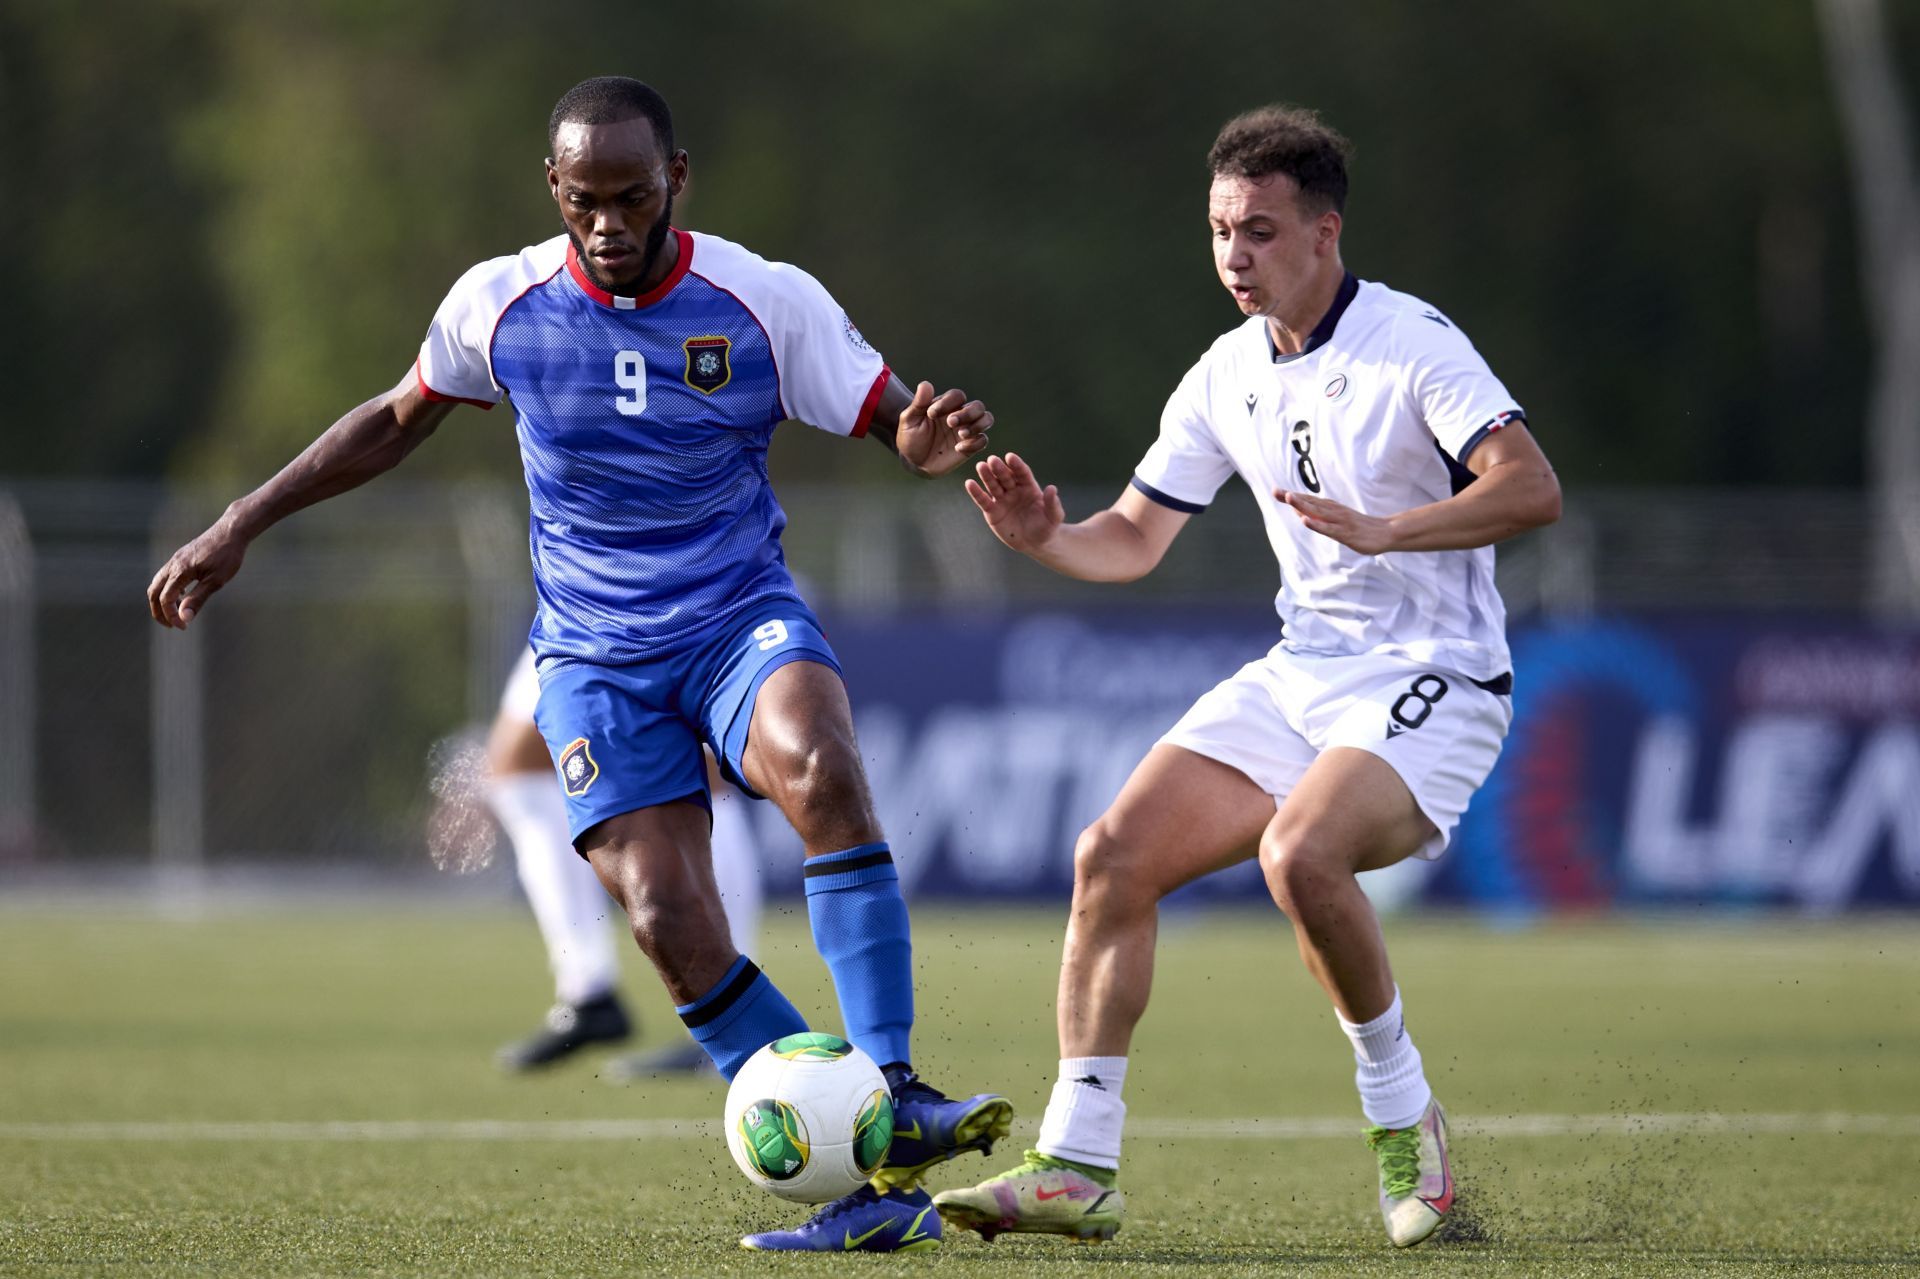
650,250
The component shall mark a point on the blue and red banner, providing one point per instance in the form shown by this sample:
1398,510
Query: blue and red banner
1737,760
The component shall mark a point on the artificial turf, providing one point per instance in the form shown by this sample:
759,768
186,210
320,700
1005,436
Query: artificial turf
310,1091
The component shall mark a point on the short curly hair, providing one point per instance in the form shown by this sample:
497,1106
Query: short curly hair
612,99
1290,140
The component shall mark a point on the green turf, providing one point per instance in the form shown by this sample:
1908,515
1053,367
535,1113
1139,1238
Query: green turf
392,1016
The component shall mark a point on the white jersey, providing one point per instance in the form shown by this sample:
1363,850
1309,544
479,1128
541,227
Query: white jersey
522,693
1378,413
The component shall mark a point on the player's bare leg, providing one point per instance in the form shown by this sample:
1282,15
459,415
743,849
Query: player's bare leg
736,870
655,863
514,746
1180,816
801,754
1351,812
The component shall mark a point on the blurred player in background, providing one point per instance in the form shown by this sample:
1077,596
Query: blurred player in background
1389,459
648,368
572,907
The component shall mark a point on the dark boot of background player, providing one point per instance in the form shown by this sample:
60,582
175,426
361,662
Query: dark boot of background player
569,1028
682,1058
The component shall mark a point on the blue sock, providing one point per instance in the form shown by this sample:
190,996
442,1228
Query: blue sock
860,929
743,1013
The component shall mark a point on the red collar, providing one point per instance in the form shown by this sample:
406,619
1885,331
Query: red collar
658,291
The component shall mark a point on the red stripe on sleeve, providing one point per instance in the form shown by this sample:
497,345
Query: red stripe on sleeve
861,423
436,396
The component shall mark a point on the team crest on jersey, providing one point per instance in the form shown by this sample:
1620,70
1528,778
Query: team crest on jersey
578,772
1337,387
708,368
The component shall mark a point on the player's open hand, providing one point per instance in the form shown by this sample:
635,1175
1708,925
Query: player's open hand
192,573
1367,534
1020,512
938,433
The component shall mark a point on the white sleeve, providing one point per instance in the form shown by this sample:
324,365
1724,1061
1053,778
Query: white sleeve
1186,465
456,360
1458,396
829,376
453,358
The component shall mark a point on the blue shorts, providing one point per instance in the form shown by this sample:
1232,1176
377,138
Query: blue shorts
627,737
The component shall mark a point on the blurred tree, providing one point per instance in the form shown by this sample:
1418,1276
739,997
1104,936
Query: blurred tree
1638,212
114,329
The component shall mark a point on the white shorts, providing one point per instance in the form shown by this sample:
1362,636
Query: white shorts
1271,719
522,693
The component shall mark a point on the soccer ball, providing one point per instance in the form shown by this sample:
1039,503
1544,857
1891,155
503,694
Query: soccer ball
809,1117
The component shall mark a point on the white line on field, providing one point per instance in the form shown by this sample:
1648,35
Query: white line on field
1264,1128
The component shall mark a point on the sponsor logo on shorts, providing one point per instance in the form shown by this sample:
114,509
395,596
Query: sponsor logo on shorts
578,772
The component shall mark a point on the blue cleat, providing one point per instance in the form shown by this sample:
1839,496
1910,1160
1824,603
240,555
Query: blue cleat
868,1220
930,1128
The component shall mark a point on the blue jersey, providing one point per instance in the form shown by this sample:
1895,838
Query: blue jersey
644,424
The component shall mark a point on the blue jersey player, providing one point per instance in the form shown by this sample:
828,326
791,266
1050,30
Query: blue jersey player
647,368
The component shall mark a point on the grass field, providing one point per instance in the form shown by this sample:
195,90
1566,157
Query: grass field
311,1093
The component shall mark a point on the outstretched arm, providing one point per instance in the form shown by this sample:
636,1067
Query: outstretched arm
367,441
1120,544
932,434
1516,490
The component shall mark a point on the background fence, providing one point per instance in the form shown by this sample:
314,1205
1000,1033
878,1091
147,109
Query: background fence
1701,714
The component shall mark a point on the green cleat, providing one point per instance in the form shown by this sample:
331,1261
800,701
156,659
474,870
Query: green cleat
1043,1196
1416,1182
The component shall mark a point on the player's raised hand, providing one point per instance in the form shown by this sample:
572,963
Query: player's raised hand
1020,512
939,432
192,573
1367,534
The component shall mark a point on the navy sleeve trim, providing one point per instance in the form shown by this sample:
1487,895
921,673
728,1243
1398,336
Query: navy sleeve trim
715,1003
1493,424
817,866
1172,502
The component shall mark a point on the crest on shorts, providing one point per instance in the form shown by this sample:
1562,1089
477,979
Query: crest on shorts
577,769
708,368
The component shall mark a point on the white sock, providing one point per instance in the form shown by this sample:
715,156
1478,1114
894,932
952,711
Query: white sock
1085,1113
736,866
568,902
1393,1087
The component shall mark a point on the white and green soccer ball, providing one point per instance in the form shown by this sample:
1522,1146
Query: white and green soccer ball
809,1117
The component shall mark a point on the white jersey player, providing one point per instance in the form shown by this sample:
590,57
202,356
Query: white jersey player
1387,459
571,906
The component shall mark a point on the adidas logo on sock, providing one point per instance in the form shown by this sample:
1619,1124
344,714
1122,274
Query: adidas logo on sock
1091,1081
